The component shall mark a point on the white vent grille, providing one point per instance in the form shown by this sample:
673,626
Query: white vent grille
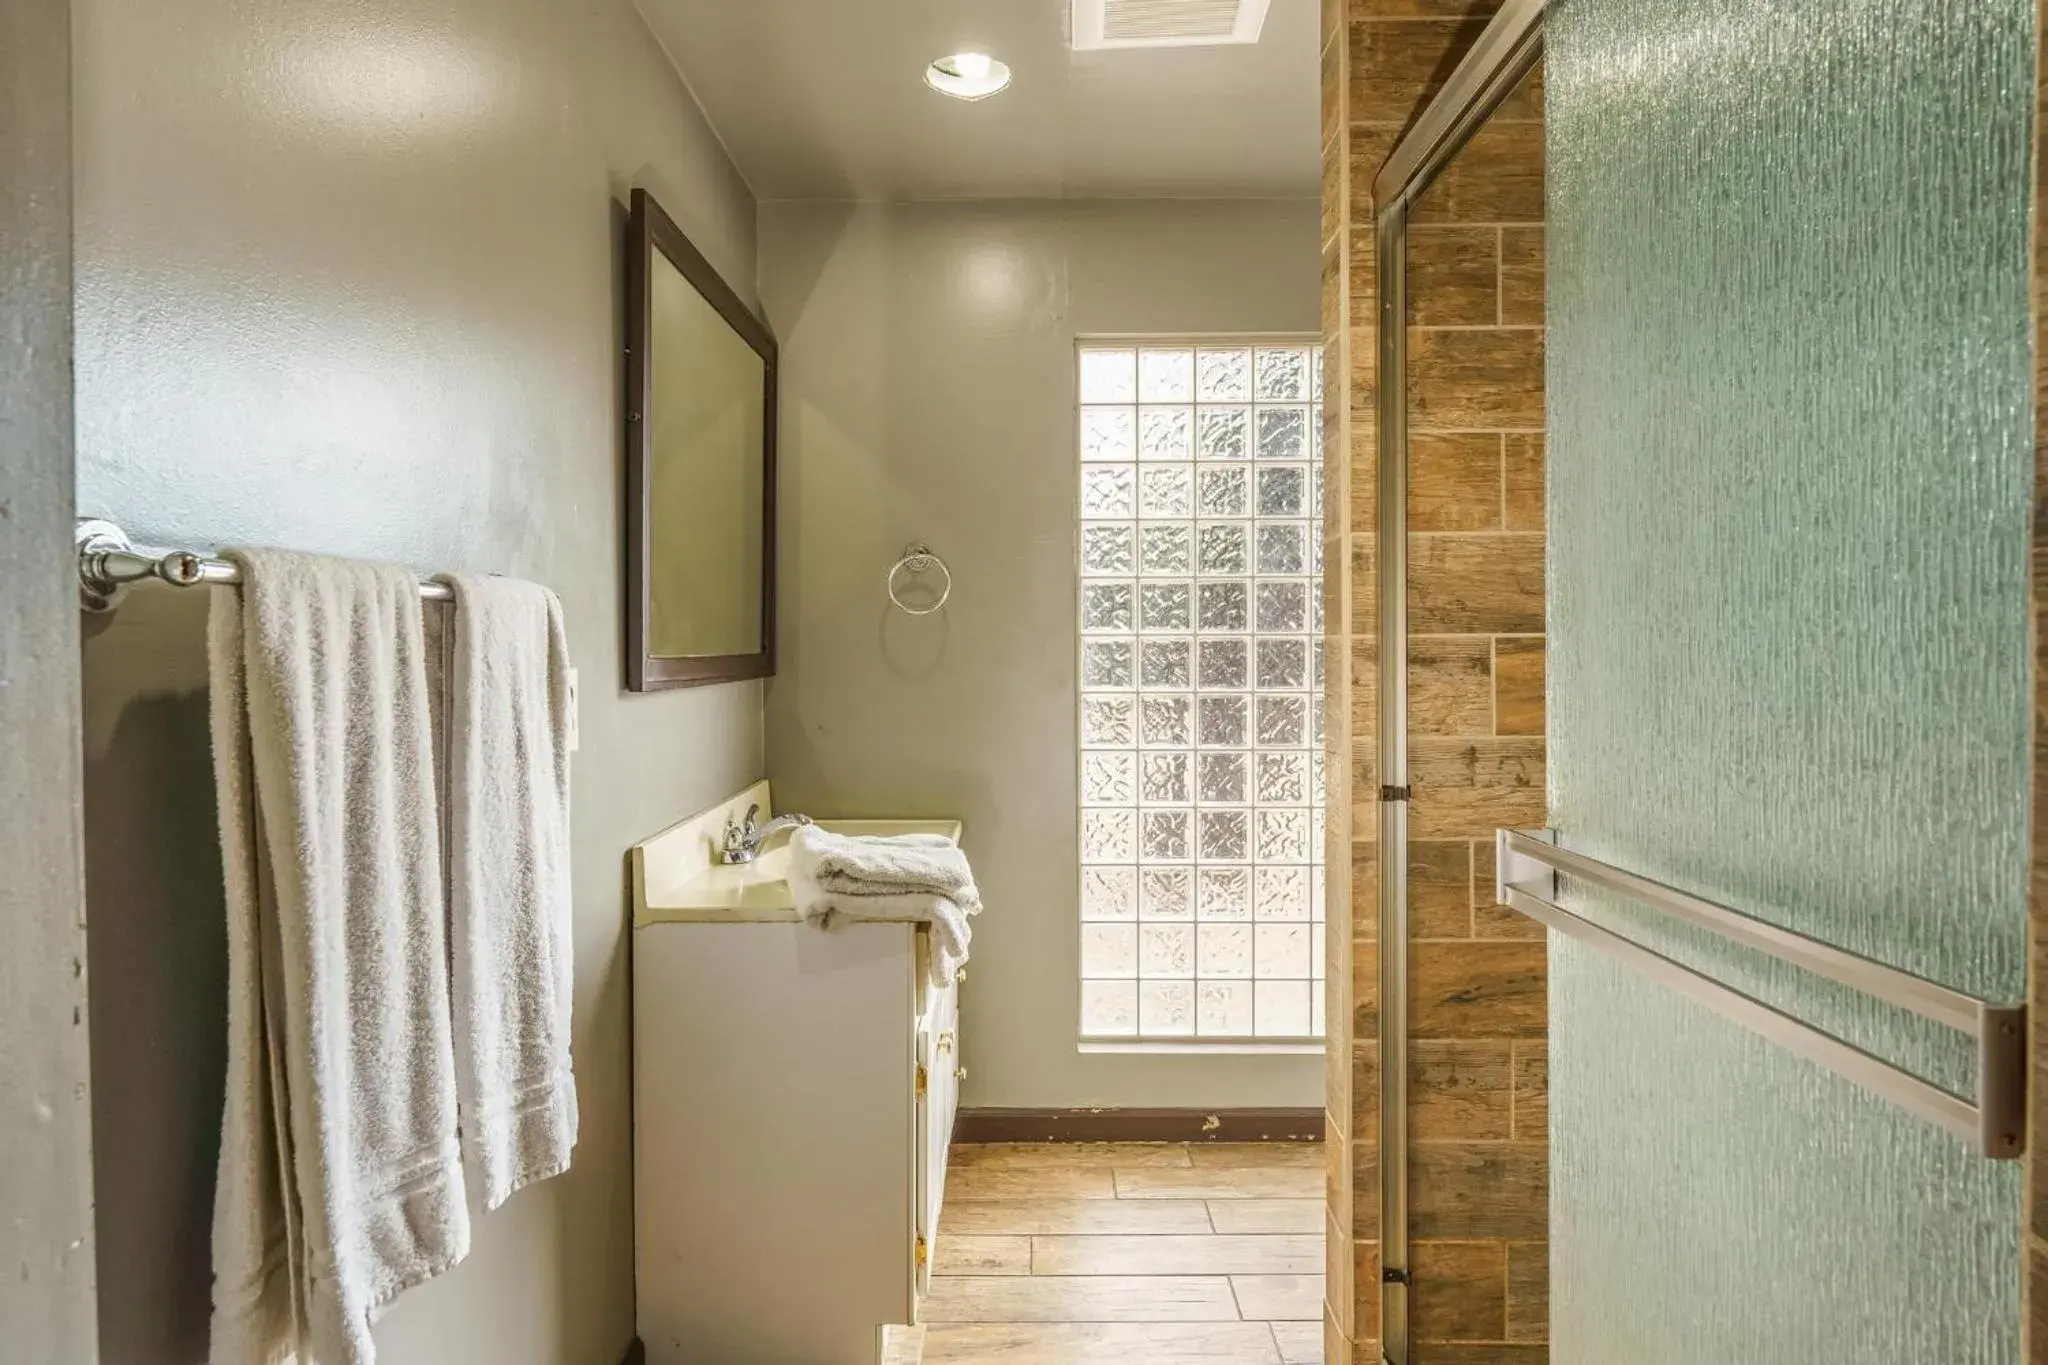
1166,23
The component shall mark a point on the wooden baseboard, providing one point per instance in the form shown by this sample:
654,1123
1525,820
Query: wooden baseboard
636,1353
1139,1125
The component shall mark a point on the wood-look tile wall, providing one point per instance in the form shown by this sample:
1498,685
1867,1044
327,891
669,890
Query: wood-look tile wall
1348,1117
1478,1163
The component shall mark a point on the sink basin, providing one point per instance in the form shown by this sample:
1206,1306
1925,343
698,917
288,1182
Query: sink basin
677,876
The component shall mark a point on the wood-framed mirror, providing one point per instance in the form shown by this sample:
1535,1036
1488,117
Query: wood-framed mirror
700,467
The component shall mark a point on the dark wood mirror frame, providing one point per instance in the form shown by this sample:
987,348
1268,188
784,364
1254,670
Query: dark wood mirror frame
649,230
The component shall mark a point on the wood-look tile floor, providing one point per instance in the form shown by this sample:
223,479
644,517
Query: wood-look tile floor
1128,1254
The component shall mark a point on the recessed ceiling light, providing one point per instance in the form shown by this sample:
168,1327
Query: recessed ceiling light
967,75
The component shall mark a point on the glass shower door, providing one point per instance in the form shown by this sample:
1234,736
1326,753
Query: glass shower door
1791,461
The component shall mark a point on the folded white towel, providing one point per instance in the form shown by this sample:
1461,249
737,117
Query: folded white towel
509,892
885,865
340,1178
918,877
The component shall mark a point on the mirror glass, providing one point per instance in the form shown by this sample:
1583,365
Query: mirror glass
706,416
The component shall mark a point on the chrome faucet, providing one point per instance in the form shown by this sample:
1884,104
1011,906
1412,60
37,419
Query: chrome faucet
743,838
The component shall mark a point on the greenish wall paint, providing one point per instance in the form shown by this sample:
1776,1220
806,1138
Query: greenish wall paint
348,282
928,380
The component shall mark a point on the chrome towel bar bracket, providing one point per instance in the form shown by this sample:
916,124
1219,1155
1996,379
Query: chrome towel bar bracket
1530,863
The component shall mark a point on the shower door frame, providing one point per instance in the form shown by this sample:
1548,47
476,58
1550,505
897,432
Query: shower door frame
1503,53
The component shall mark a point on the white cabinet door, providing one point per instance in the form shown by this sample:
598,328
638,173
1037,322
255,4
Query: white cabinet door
935,1118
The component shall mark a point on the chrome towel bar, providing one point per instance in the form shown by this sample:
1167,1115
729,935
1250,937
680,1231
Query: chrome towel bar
1530,862
108,562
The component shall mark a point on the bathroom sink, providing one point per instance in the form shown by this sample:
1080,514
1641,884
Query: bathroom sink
677,876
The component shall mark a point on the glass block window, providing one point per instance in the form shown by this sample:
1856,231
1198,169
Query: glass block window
1201,691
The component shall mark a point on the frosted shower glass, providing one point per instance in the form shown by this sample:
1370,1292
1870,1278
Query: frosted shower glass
1790,390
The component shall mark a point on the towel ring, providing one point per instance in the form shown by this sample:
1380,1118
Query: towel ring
918,558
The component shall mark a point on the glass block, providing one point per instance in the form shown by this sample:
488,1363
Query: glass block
1318,1021
1222,549
1223,492
1223,779
1109,893
1166,950
1282,374
1165,549
1282,893
1109,950
1163,434
1283,491
1166,376
1225,835
1224,893
1283,721
1283,433
1223,664
1223,605
1109,376
1165,779
1106,722
1106,663
1164,663
1166,893
1283,607
1109,434
1283,547
1224,722
1315,725
1108,836
1223,376
1163,606
1281,949
1168,491
1109,492
1163,722
1106,550
1105,606
1282,837
1109,1009
1163,836
1166,1009
1283,779
1220,433
1223,1009
1106,778
1223,951
1283,663
1280,1009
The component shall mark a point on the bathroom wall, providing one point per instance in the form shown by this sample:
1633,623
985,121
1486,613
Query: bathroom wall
347,281
46,1292
928,394
1476,1058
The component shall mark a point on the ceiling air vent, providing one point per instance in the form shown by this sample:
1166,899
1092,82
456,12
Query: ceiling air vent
1166,23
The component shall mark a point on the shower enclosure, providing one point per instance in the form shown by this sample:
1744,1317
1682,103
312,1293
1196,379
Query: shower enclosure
1789,372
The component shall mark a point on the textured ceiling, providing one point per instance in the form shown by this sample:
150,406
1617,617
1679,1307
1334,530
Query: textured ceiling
824,99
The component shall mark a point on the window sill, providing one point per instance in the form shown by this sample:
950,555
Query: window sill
1206,1047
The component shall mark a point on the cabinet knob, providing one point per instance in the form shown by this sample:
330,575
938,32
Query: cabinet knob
959,1073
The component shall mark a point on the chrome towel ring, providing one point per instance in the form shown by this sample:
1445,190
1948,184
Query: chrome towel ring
918,558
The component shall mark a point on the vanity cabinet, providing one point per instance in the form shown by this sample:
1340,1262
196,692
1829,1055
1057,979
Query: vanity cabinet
794,1096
